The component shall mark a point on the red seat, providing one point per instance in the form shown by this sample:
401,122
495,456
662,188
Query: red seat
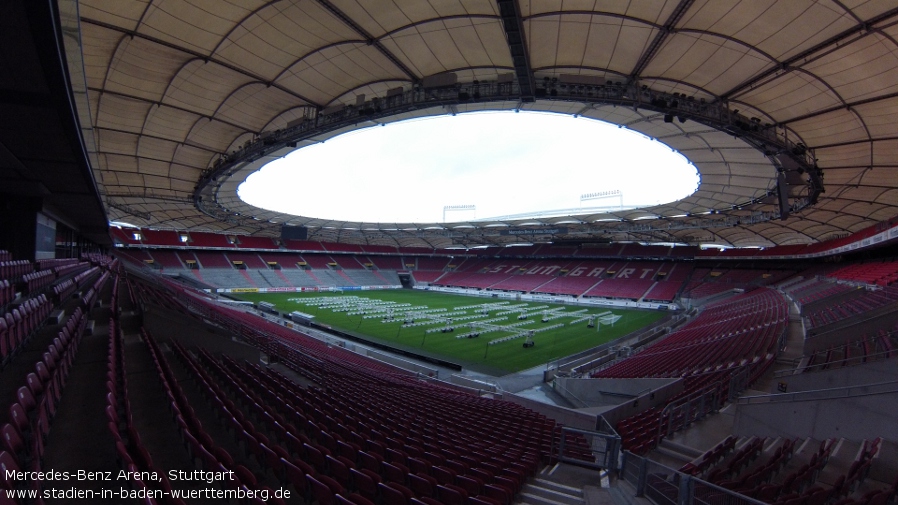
327,441
394,472
424,500
420,485
397,456
508,482
295,444
353,499
483,500
8,464
26,399
6,347
394,496
12,441
499,493
223,456
321,492
484,475
315,457
339,470
457,466
294,475
443,475
418,465
371,461
365,482
434,458
880,498
19,419
470,484
246,476
451,494
348,450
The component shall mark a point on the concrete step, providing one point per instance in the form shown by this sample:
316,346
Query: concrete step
549,493
555,486
685,450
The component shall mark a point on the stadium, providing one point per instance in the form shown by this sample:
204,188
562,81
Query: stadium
164,342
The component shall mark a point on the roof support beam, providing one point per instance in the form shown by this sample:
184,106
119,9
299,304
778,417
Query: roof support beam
372,41
204,57
835,41
517,45
844,106
660,37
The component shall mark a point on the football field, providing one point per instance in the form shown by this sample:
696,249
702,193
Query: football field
487,334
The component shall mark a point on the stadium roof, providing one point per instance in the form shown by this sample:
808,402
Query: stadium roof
187,97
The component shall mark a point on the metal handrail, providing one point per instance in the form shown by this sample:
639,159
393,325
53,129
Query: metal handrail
823,394
847,362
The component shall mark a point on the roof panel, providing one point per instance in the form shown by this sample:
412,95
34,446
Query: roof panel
885,152
121,113
254,106
792,95
265,44
142,68
125,14
169,123
879,116
708,62
779,29
200,77
837,126
202,86
864,69
156,148
196,25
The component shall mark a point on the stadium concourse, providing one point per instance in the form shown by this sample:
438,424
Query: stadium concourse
129,376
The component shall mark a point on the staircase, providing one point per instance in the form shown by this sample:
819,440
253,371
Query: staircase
565,484
348,279
246,276
283,278
540,491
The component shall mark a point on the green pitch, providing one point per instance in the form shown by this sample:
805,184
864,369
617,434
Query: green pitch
366,313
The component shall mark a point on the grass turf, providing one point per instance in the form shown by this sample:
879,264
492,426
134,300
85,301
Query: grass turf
500,358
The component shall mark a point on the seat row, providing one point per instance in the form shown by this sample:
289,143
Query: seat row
69,268
15,269
18,325
203,449
25,434
384,396
7,292
47,264
867,301
722,341
793,476
37,281
376,471
131,454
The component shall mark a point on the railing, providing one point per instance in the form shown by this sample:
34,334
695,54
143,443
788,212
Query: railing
663,485
823,394
739,381
679,415
841,362
705,493
578,403
592,449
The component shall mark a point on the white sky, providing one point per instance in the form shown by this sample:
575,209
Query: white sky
502,162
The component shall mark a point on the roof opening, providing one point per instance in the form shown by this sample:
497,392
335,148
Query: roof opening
473,167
